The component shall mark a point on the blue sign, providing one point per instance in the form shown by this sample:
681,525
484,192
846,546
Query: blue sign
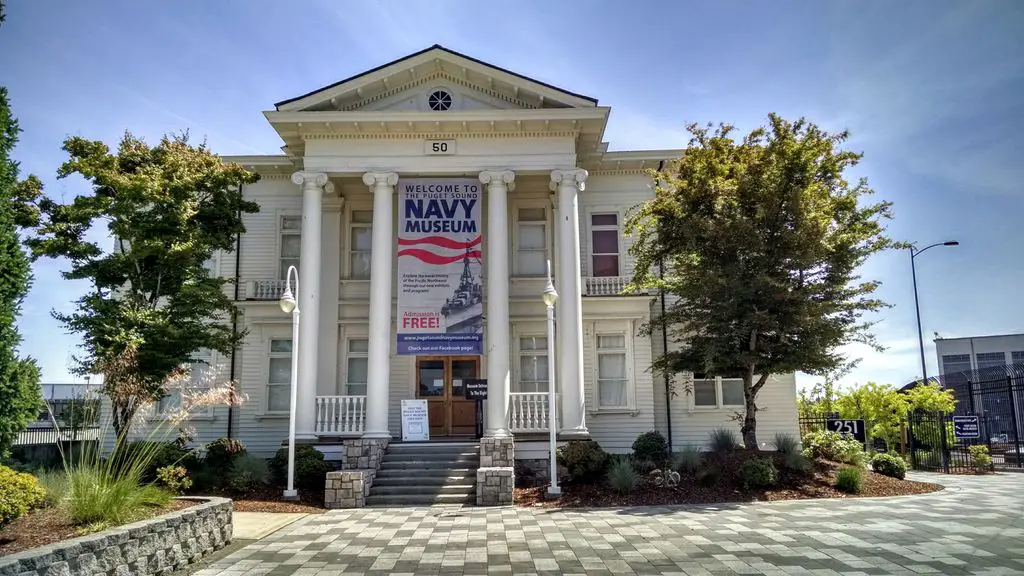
966,427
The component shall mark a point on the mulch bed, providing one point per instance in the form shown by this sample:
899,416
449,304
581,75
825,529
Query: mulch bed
48,525
268,499
820,483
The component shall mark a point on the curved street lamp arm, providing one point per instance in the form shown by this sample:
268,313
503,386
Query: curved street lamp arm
914,252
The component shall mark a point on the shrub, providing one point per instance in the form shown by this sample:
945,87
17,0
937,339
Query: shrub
786,444
222,452
849,479
584,460
643,466
889,465
797,462
650,446
149,456
174,478
709,475
622,478
759,473
310,468
980,458
248,473
205,479
666,478
723,440
19,492
686,460
829,445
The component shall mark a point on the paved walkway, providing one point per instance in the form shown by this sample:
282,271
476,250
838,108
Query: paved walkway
256,525
975,526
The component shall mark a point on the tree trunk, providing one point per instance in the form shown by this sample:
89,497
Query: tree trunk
749,428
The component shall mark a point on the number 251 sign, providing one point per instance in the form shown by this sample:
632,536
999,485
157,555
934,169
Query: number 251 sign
853,429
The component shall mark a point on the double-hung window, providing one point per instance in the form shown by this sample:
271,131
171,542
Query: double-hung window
531,242
200,377
291,240
279,375
360,243
712,392
604,244
356,366
533,364
612,376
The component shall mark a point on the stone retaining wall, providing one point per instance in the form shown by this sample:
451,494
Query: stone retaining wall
495,478
347,488
363,453
157,546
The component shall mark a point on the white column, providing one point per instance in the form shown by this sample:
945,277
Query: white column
498,184
569,183
330,272
382,184
313,186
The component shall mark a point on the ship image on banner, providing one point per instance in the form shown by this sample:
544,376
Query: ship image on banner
440,286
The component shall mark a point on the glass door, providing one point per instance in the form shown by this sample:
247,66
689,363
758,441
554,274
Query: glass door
441,382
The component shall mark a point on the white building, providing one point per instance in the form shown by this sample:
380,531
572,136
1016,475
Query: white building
978,352
550,190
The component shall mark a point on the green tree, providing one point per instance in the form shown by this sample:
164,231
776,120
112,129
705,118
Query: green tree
931,398
20,395
760,241
169,208
883,408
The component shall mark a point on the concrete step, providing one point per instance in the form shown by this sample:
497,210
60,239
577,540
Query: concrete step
425,491
429,464
424,473
435,448
419,499
431,457
424,481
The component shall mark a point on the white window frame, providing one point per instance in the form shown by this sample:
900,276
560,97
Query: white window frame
350,223
520,353
591,228
202,357
266,373
624,328
719,396
546,207
281,232
348,355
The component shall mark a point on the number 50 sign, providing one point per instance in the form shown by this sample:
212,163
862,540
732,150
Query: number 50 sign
853,429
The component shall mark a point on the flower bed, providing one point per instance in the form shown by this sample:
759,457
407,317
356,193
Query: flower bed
153,546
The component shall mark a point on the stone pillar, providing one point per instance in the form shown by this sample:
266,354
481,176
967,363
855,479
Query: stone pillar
382,184
313,186
498,184
569,183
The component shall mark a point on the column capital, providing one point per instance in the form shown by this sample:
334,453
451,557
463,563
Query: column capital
389,179
313,180
493,177
571,177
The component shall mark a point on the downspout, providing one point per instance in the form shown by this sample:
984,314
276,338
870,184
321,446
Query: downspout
664,342
234,321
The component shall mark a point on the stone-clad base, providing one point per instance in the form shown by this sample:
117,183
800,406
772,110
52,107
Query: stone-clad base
363,453
496,477
158,546
348,488
494,486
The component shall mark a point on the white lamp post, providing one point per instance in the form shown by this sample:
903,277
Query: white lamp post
550,296
290,305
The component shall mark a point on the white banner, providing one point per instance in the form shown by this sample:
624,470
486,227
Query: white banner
440,284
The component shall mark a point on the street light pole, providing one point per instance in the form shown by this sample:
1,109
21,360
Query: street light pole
290,305
550,296
917,306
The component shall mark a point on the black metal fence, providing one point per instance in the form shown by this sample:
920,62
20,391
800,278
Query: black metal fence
993,395
899,445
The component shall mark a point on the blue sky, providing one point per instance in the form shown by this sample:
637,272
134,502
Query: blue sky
931,91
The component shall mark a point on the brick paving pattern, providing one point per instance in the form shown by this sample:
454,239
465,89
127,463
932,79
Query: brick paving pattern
975,526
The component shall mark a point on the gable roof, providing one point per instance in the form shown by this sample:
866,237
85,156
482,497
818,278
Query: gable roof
441,51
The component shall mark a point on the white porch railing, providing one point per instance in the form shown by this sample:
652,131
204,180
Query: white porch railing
604,285
529,411
340,415
264,289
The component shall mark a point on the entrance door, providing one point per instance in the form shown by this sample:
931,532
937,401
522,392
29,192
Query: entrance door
440,380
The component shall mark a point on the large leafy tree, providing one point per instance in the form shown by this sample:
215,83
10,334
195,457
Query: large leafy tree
169,208
20,397
759,241
882,407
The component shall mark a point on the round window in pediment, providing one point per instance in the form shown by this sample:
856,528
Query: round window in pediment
439,100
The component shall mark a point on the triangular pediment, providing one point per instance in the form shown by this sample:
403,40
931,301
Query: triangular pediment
408,84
